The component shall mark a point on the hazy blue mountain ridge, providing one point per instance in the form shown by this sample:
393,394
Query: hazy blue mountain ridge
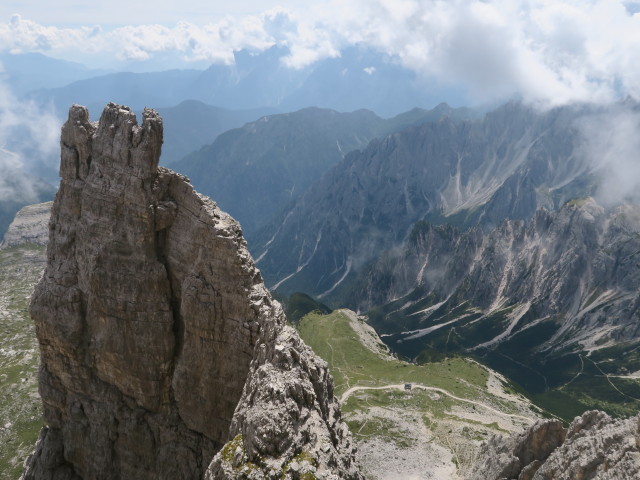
257,170
192,124
25,72
358,78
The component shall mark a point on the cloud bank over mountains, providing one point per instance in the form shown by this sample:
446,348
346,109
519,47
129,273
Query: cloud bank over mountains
548,52
29,135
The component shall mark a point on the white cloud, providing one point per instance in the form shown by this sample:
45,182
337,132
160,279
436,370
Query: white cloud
29,135
611,144
212,42
550,52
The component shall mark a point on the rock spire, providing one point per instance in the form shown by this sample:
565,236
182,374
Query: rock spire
160,344
594,446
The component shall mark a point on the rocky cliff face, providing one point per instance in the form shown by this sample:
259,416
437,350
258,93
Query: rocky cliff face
578,263
594,446
155,327
556,261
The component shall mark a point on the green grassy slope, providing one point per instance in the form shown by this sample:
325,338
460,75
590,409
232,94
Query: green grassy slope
453,404
20,406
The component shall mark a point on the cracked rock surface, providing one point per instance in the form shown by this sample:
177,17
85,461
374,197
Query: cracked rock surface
155,326
595,446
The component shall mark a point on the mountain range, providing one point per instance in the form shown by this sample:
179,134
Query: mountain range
476,172
255,171
481,237
552,302
357,78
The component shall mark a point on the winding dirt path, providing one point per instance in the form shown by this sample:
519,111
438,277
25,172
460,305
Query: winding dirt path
350,391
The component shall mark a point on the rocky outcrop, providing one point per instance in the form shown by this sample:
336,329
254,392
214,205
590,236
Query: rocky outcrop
287,424
30,226
595,446
18,189
155,327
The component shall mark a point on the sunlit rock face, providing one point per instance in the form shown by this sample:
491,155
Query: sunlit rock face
153,320
594,446
29,226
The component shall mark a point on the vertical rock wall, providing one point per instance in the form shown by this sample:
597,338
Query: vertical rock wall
152,317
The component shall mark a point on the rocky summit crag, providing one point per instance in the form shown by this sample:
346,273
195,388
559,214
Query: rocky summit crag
595,446
160,345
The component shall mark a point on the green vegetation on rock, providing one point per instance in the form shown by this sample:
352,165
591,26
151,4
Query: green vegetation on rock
450,406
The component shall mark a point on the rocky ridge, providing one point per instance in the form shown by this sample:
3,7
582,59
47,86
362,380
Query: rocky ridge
507,165
578,263
595,446
155,330
30,226
255,171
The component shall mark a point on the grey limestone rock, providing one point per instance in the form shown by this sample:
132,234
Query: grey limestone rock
29,226
278,426
155,327
595,446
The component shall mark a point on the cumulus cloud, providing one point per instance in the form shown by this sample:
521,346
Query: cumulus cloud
548,52
552,52
211,42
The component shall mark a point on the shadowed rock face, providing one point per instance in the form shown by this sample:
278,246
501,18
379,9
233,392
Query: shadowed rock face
151,316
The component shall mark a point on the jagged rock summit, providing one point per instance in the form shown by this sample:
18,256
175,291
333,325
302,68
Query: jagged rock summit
595,446
161,347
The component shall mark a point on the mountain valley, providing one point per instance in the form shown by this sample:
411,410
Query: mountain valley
413,421
547,302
